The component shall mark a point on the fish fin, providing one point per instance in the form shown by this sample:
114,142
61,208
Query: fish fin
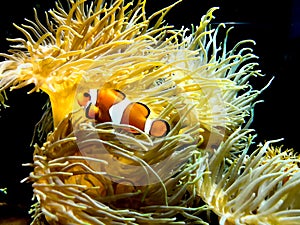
120,94
142,109
135,115
92,111
159,128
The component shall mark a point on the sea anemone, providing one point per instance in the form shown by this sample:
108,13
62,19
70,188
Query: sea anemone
101,173
97,45
260,188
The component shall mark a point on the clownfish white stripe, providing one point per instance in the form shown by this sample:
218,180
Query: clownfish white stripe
148,125
116,111
94,95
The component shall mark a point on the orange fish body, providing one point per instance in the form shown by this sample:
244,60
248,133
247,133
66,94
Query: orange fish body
111,105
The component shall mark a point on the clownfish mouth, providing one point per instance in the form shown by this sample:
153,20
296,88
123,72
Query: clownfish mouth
112,105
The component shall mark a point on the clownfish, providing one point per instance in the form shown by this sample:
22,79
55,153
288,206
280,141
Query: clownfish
111,105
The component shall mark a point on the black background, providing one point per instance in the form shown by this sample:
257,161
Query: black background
275,27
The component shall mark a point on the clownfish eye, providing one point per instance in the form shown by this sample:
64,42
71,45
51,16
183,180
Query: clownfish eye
83,98
86,95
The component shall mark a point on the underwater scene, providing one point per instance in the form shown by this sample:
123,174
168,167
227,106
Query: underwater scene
149,112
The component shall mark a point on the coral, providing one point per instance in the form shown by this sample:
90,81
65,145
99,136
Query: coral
99,173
